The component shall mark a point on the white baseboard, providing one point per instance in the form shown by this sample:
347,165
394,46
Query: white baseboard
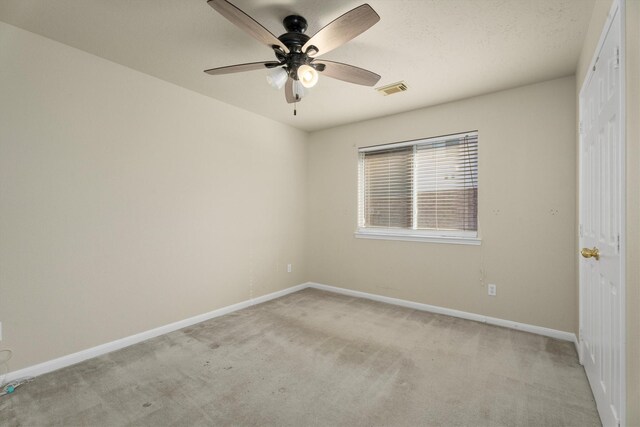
576,342
553,333
72,359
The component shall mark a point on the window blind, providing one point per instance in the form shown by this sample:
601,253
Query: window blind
388,187
447,181
427,185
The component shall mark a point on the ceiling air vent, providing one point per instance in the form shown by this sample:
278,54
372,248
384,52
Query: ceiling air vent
392,88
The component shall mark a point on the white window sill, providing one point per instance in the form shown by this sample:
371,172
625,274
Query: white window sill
416,237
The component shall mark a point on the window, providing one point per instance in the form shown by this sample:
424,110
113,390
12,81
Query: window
420,190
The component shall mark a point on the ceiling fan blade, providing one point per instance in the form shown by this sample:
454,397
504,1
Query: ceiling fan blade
247,23
288,91
242,67
341,30
347,73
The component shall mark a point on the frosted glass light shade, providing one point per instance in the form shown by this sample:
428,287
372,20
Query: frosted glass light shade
307,75
277,77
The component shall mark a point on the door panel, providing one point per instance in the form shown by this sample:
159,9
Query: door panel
601,174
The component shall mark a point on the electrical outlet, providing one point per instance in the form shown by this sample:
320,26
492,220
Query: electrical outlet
492,290
288,268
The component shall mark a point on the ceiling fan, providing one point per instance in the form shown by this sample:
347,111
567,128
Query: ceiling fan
297,66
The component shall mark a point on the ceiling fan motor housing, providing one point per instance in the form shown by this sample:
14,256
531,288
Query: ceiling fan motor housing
294,39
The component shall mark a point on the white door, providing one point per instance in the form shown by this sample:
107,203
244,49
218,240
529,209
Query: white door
601,226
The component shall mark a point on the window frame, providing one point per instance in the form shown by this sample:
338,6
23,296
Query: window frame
463,237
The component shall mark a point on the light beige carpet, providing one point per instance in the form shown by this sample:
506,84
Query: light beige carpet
318,358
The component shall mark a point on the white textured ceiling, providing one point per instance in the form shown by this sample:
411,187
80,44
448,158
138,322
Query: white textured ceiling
444,49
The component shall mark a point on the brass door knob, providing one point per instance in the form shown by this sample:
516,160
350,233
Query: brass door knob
590,253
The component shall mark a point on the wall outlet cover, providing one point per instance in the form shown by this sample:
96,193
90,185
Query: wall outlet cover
492,290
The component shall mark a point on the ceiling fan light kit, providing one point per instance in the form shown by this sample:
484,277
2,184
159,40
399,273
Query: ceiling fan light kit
296,67
307,75
277,77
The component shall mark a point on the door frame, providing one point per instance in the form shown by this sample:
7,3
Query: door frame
619,7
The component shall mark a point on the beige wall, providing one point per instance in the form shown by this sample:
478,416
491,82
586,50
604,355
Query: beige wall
127,203
632,53
527,206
